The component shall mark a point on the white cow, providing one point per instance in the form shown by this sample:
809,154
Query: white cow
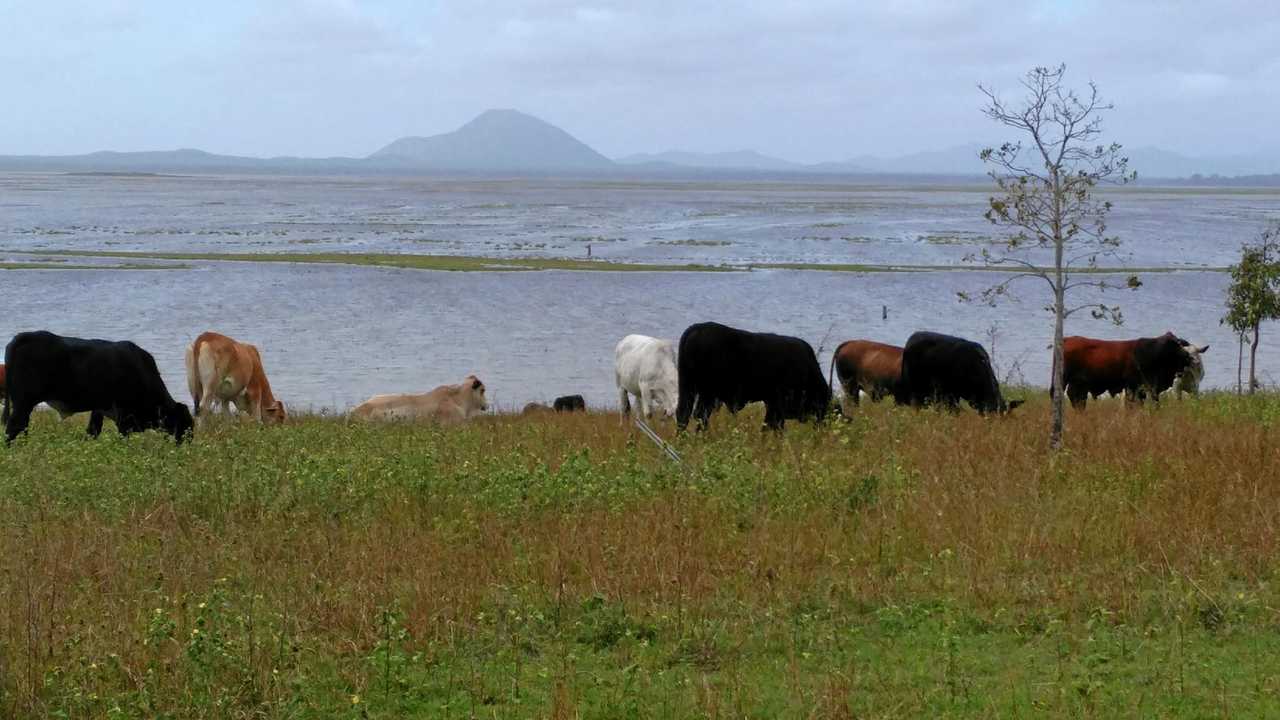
1189,380
646,367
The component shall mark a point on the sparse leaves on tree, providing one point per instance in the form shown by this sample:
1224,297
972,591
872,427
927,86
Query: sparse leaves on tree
1045,184
1254,294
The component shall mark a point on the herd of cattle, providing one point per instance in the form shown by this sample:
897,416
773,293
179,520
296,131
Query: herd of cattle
713,366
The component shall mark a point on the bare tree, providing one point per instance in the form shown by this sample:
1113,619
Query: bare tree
1045,185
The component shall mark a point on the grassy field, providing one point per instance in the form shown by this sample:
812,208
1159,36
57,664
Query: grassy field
906,564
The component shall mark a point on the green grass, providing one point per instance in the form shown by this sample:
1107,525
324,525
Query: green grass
861,268
905,564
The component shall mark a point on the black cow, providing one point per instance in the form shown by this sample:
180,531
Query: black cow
118,380
569,403
719,365
943,369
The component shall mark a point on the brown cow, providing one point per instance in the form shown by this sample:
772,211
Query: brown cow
534,408
445,404
1138,368
873,367
223,370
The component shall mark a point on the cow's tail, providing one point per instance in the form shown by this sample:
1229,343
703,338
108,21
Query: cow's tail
193,376
831,371
8,385
902,394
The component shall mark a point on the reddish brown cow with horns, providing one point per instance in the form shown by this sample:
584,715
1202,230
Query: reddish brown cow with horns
1138,368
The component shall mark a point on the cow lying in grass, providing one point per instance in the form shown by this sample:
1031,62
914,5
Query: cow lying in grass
445,404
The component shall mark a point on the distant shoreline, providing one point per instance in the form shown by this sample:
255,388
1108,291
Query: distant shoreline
477,263
1262,185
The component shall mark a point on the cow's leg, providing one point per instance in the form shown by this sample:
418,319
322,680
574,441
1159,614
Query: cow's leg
646,402
684,408
205,405
19,418
773,418
624,402
1079,397
702,410
850,399
95,424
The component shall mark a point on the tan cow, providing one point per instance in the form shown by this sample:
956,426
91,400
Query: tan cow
223,370
445,404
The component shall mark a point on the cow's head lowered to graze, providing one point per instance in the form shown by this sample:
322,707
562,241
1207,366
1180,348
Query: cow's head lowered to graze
817,399
275,413
665,395
1008,406
942,370
177,421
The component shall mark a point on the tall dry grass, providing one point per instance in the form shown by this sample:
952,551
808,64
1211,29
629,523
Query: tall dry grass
295,550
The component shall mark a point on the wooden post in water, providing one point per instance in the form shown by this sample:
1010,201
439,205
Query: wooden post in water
884,312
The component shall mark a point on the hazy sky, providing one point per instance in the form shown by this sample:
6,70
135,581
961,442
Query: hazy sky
802,79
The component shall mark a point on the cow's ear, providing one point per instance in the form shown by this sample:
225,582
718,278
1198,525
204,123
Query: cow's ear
1203,350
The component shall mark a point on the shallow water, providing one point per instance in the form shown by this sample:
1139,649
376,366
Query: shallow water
331,336
703,222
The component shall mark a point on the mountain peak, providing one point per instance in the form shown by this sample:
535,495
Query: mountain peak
498,139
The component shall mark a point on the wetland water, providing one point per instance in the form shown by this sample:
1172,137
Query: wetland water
331,335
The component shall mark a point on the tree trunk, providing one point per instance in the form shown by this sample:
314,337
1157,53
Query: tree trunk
1059,309
1059,402
1253,358
1240,364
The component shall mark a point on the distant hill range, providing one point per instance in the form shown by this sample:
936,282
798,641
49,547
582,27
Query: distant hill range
736,160
511,142
962,161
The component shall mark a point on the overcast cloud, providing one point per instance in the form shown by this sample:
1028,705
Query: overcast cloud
806,80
